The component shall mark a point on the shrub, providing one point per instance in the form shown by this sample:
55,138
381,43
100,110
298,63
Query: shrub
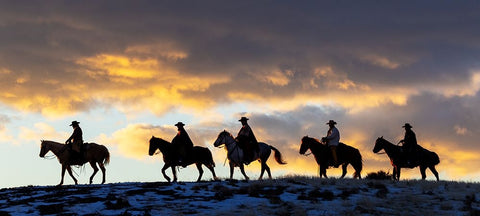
380,175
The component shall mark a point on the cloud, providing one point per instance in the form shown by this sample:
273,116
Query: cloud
78,61
132,141
381,61
290,66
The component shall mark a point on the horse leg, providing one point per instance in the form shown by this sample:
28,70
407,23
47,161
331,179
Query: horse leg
323,171
265,168
102,167
434,171
64,167
69,169
268,171
398,173
174,171
231,170
165,167
242,169
95,170
210,167
422,171
200,171
344,170
262,170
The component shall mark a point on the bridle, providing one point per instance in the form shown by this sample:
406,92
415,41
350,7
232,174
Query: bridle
228,144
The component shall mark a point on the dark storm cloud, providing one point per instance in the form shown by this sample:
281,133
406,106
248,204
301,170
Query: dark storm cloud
266,49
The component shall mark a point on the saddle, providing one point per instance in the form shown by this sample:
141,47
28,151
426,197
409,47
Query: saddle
340,150
411,158
78,158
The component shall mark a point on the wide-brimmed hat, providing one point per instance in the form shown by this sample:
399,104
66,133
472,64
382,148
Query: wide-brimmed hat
180,124
407,125
74,123
331,122
243,119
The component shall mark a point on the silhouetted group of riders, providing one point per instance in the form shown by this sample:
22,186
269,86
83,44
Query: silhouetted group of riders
248,143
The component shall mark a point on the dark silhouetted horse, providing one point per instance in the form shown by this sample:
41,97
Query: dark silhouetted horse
346,155
397,158
94,154
198,156
235,154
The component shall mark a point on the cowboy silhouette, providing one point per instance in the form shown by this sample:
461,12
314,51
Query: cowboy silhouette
409,144
182,144
75,141
247,141
333,139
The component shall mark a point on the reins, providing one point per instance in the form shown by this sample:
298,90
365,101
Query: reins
229,152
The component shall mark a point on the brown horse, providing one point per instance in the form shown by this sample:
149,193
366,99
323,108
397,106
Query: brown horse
95,153
397,158
346,155
198,156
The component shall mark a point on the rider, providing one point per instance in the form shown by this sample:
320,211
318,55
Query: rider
247,141
75,141
182,144
409,143
332,140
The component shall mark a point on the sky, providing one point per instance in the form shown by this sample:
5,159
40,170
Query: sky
129,70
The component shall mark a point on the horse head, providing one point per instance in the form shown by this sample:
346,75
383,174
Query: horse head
305,145
378,144
221,138
43,149
153,145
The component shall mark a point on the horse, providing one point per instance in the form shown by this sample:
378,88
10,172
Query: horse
198,156
235,154
322,153
427,158
94,154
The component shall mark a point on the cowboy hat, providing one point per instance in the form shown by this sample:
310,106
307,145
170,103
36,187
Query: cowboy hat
74,123
407,125
243,119
331,122
180,124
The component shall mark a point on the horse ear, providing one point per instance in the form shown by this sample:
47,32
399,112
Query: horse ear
381,137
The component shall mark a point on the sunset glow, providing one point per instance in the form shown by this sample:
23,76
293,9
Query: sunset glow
131,71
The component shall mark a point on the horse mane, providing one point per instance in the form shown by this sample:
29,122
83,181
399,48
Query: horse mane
158,138
51,142
313,139
226,132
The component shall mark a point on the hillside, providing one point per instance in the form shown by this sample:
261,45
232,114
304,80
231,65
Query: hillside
284,196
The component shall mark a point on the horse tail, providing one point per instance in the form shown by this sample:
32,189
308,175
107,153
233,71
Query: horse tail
106,159
278,155
357,163
210,157
436,159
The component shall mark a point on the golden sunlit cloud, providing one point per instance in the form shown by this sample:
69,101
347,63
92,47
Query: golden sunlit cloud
460,130
457,89
166,50
275,77
129,83
133,140
381,61
42,131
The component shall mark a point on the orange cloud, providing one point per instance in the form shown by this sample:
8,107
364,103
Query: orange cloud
130,83
42,131
133,140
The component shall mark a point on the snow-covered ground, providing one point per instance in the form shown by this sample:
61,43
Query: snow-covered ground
298,195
